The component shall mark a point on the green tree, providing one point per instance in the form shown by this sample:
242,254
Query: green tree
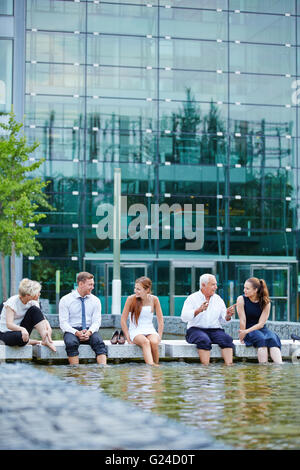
21,196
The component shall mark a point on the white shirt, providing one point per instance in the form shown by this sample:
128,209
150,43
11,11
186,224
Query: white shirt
70,312
212,317
20,309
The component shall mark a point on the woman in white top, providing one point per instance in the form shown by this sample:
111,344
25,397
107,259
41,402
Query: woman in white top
140,308
21,313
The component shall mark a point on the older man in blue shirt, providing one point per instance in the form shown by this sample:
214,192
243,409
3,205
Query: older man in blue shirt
80,320
205,313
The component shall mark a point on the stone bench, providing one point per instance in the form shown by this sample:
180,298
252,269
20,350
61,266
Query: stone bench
114,351
169,349
180,349
15,352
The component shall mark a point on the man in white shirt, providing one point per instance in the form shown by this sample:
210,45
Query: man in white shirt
80,320
205,313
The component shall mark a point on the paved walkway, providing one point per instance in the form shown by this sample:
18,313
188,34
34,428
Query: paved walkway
39,411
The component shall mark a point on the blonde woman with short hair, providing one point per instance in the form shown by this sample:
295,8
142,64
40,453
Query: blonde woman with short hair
21,313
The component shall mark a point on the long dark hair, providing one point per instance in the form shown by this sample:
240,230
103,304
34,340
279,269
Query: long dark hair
262,291
136,303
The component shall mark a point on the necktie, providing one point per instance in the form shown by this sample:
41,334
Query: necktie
83,319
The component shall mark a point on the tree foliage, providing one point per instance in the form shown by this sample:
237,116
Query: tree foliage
21,194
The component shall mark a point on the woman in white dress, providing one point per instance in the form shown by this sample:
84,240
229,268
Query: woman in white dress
140,308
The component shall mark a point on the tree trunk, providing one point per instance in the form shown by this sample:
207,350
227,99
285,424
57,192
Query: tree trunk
3,277
13,270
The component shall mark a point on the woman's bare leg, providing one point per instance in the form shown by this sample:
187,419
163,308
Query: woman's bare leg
42,328
144,343
262,355
154,343
275,354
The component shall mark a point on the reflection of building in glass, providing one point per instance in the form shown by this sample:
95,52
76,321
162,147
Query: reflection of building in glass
193,101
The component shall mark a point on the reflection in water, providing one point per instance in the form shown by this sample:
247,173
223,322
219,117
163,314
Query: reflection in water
249,406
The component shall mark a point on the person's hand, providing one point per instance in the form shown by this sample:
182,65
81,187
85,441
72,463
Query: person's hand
202,308
85,335
25,335
242,334
231,310
80,335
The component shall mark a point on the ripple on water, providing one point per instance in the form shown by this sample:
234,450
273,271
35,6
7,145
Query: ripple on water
247,405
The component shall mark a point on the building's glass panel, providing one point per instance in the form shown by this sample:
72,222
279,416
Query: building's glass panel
195,55
266,6
207,4
180,23
260,58
268,242
121,82
57,143
197,180
56,15
6,48
132,2
58,47
258,183
106,18
259,150
120,146
191,117
123,51
124,114
55,79
269,29
258,120
54,111
262,90
7,7
204,86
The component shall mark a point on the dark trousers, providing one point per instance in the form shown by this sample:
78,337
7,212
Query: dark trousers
32,317
205,337
72,343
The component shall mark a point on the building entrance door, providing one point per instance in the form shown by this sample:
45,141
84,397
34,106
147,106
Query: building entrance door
184,280
129,272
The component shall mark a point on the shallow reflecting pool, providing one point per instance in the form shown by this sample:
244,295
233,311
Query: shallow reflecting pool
248,405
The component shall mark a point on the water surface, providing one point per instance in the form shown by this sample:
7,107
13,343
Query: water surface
247,405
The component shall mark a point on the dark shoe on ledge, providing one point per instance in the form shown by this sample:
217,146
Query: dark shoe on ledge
121,339
115,337
295,337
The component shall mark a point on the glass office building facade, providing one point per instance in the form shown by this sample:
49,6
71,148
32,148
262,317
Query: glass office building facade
197,102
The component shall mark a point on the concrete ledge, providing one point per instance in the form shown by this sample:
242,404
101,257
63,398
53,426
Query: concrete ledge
181,349
114,351
172,349
15,352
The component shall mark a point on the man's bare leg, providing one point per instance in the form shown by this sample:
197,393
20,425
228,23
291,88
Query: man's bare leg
101,359
204,356
73,360
227,355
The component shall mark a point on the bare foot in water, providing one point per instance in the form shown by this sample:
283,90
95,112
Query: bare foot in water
47,341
